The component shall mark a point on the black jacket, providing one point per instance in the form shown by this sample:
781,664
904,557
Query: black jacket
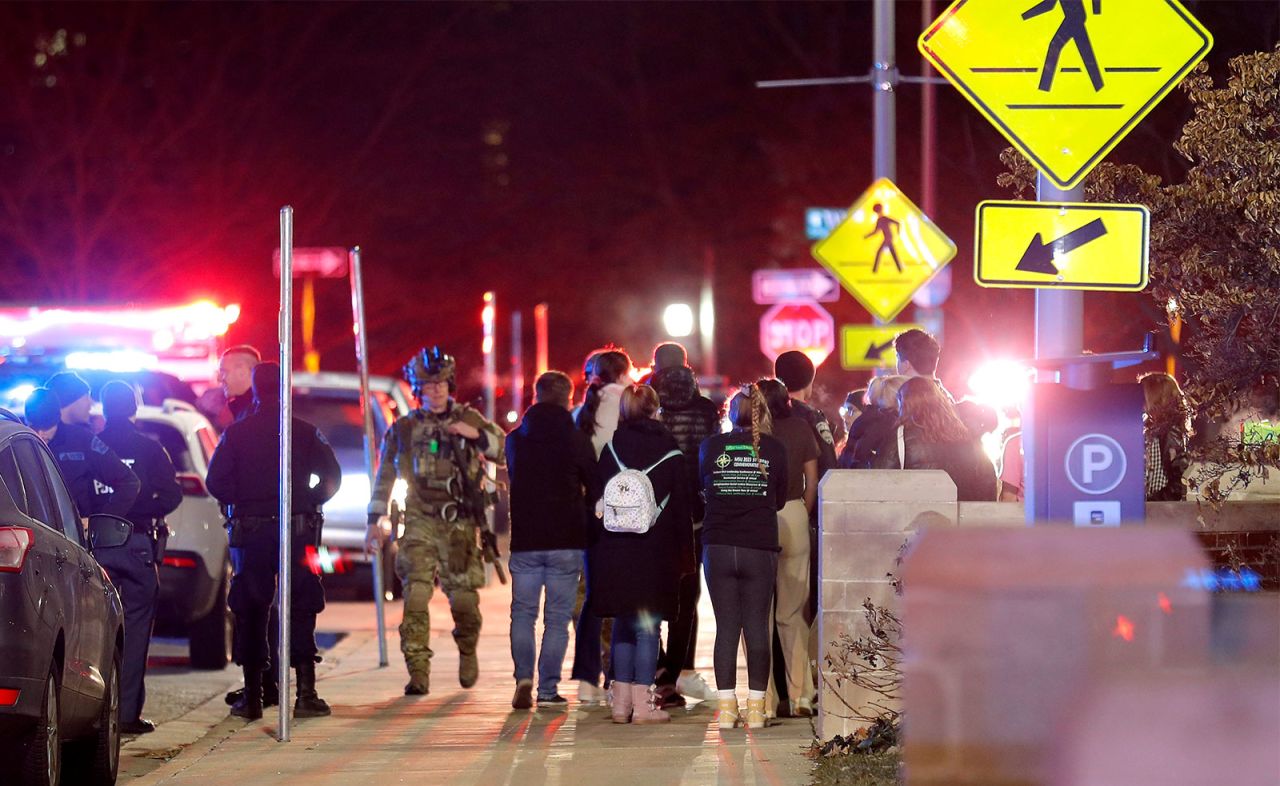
84,459
742,503
966,463
553,474
690,417
241,406
629,573
867,436
245,469
822,428
159,493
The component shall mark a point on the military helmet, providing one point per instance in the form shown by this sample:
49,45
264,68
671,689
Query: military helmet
430,365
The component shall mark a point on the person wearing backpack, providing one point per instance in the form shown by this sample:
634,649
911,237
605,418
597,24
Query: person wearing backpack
642,545
744,483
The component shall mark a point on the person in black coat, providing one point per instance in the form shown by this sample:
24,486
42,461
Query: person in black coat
635,578
133,568
872,430
244,474
554,480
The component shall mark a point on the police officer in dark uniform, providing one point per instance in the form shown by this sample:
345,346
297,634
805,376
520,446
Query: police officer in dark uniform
244,474
133,568
83,458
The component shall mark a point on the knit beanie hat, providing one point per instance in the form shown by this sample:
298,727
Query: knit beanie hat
669,355
119,402
68,387
795,369
42,409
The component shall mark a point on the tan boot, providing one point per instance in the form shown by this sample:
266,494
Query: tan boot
756,718
647,705
729,714
622,701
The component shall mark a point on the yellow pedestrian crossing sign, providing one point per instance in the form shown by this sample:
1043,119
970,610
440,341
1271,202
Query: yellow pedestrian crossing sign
870,346
884,250
1065,80
1062,245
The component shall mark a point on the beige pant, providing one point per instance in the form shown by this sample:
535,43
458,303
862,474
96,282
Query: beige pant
792,598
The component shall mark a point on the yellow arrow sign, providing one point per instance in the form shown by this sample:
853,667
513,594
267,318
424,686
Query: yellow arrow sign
884,250
1065,80
1064,245
870,346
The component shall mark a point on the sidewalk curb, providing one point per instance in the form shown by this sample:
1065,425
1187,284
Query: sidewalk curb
209,725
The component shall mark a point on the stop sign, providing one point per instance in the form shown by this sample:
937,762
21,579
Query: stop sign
802,325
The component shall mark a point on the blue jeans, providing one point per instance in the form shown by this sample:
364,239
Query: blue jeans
635,648
531,571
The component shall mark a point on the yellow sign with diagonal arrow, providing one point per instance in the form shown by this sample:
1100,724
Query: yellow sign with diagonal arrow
885,249
870,346
1065,80
1061,245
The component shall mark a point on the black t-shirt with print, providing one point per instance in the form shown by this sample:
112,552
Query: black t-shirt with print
742,502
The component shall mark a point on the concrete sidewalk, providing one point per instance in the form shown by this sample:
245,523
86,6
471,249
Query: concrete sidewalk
456,736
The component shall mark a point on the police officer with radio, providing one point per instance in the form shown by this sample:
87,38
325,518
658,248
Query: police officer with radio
245,475
439,450
133,568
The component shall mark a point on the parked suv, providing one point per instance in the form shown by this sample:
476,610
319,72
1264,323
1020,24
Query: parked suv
331,402
61,624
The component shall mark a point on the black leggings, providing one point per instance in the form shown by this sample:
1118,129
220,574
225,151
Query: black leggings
740,581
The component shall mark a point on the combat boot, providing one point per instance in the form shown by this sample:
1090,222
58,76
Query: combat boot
249,706
418,685
308,704
468,669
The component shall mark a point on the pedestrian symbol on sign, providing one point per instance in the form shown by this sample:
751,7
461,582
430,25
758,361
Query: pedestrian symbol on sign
1071,29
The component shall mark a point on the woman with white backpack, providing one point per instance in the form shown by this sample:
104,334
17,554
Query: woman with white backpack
643,544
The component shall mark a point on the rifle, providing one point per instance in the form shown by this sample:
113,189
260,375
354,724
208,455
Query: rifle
475,506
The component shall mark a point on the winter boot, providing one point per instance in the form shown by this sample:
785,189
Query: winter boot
622,701
419,683
647,705
756,718
468,669
249,705
308,704
729,714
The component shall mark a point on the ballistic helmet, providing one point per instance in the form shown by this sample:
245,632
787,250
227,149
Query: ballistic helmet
430,365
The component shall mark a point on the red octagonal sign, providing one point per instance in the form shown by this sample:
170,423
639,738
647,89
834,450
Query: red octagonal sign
802,325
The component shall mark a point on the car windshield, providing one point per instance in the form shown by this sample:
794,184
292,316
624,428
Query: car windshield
337,414
171,440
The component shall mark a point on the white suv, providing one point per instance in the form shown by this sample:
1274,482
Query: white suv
196,571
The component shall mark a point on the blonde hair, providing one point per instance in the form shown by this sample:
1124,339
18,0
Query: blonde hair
1164,401
749,409
639,402
882,392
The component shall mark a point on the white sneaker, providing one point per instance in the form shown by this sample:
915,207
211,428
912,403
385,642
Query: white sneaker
589,694
691,685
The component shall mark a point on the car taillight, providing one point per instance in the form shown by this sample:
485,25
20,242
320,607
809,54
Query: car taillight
179,562
9,696
192,486
15,542
325,560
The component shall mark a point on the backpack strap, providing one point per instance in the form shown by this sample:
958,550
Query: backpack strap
617,460
655,464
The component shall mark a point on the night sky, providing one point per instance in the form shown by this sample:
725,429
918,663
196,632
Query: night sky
590,155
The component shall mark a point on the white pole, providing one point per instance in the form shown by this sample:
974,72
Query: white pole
286,464
370,435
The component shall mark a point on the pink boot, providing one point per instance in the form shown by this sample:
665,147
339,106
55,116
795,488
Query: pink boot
647,705
621,692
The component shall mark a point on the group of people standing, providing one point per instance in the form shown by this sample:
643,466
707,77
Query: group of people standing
737,505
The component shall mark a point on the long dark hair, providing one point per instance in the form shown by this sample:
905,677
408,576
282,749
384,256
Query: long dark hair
775,395
921,403
607,366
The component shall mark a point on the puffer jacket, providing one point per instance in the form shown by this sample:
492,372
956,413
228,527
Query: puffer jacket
690,417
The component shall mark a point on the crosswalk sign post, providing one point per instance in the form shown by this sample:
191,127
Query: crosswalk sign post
1065,80
885,249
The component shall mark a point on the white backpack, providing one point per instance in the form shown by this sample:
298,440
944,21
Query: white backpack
628,504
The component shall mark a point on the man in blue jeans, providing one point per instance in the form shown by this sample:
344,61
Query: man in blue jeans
554,484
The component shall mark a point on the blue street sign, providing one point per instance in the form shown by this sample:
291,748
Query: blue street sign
1085,455
819,221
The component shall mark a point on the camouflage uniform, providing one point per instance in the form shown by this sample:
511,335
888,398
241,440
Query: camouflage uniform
440,537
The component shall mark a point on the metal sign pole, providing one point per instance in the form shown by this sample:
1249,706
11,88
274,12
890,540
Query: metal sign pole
370,436
286,464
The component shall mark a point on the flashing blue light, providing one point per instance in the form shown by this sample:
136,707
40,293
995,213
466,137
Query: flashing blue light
1224,579
19,394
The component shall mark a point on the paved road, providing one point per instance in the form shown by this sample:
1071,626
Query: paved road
456,736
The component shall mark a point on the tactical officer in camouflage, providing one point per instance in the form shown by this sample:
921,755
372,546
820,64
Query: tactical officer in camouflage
439,450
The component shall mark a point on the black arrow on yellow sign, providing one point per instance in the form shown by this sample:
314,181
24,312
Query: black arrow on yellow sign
876,350
1038,258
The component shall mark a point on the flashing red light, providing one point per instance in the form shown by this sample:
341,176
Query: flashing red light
179,562
192,485
1165,605
9,696
15,542
1124,628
